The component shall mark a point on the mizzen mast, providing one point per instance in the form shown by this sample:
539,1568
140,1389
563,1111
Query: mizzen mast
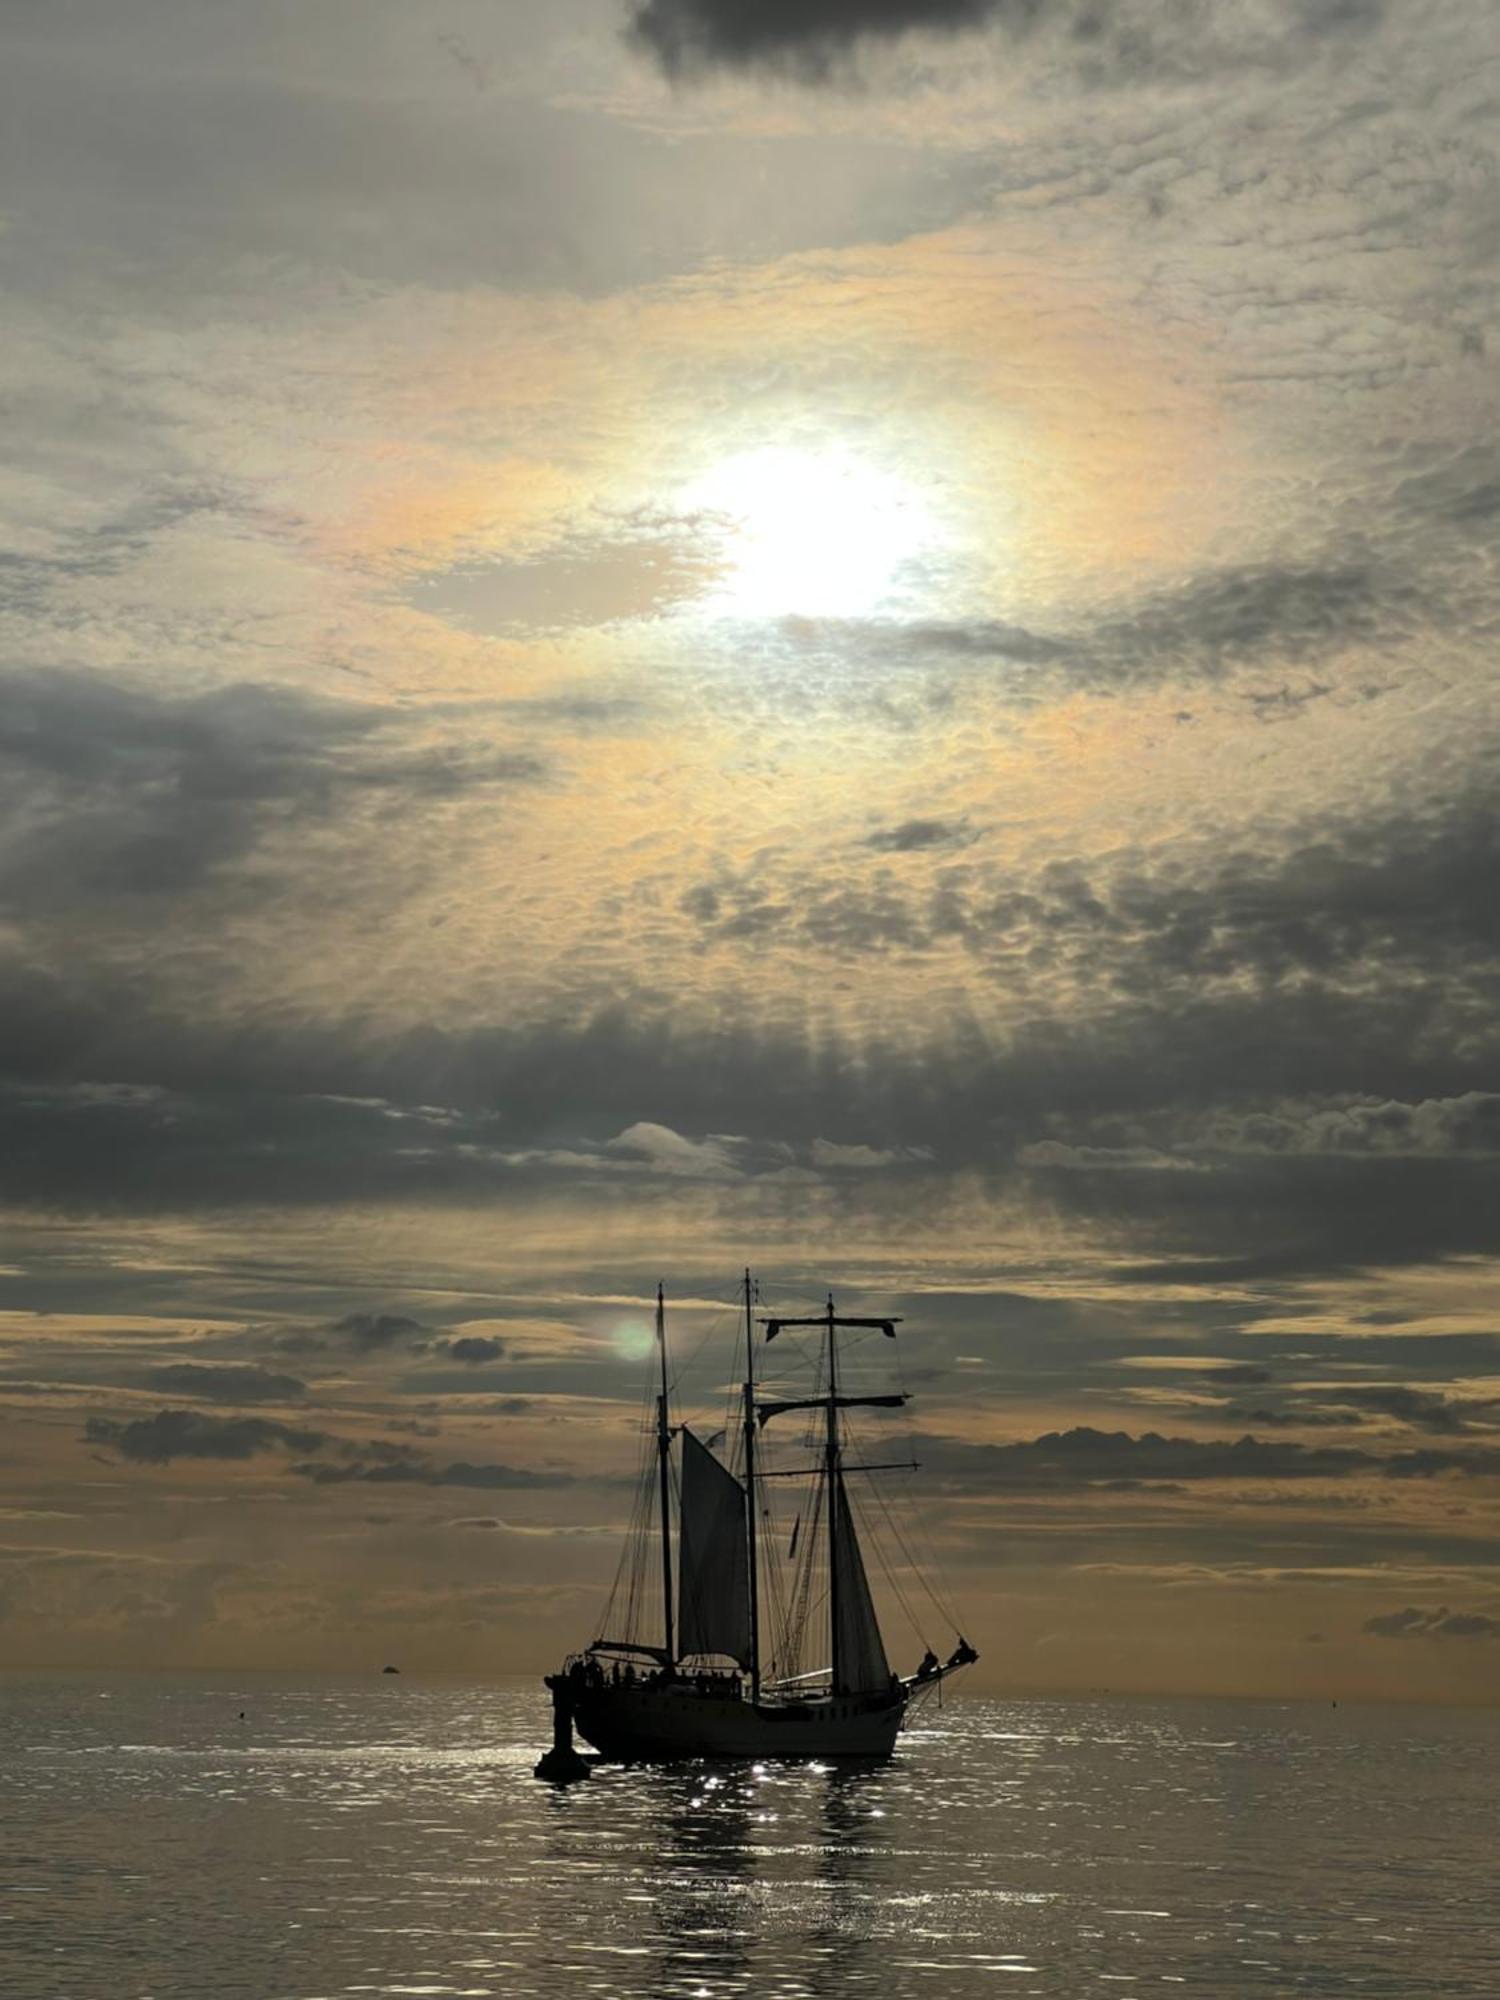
840,1527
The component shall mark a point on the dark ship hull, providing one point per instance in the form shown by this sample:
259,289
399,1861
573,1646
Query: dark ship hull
678,1721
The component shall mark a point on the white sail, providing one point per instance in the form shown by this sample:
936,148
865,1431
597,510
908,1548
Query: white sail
859,1648
713,1597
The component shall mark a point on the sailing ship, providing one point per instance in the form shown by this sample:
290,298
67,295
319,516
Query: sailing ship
714,1683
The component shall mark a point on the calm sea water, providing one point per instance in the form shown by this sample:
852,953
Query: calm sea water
387,1837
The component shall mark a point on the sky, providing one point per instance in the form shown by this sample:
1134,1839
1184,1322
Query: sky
853,637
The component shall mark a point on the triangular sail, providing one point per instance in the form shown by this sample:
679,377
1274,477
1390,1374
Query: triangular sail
859,1649
713,1602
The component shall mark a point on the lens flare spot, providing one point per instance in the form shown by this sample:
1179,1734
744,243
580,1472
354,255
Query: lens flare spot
632,1338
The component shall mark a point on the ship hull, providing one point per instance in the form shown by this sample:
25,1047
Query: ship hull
667,1725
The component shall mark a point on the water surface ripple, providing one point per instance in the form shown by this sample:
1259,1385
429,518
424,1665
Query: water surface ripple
386,1837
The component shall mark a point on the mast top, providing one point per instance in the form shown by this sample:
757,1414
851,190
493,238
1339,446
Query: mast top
830,1318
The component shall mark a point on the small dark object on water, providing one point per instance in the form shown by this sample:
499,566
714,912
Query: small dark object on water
562,1764
390,1670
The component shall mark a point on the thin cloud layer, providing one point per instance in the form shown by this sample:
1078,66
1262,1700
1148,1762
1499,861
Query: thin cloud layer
1412,1622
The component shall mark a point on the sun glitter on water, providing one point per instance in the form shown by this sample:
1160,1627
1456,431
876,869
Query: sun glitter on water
815,534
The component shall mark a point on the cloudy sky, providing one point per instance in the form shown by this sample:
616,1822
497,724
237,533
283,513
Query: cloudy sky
853,635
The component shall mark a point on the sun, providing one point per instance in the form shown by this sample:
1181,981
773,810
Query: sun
812,533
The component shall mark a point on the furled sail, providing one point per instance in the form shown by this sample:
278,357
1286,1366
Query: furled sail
859,1649
713,1598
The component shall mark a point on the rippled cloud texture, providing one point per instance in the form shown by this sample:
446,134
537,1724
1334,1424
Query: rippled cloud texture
857,637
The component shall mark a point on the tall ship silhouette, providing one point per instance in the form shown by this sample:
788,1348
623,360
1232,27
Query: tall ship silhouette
716,1610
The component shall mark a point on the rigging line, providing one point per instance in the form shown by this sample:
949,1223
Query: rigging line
773,1581
734,1412
869,1538
628,1569
888,1568
935,1579
918,1569
782,1585
772,1596
930,1569
802,1604
805,1604
683,1363
643,1457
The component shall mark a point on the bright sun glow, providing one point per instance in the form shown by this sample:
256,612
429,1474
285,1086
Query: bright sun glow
817,534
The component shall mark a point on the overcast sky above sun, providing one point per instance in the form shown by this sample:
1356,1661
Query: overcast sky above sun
646,634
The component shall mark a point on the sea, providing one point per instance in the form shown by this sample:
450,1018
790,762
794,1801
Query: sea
271,1837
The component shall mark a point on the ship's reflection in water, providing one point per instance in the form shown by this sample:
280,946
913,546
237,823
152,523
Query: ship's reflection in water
730,1877
705,1915
841,1953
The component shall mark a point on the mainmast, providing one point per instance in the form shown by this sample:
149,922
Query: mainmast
750,1504
664,1455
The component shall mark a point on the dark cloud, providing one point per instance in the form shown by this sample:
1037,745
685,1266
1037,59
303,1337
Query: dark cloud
1413,1622
174,1434
1113,40
1420,1408
1230,616
913,835
1204,629
1084,1457
108,791
1296,1417
371,1333
417,1472
222,1383
1469,1123
1463,490
358,1332
685,33
1324,1218
111,544
1388,911
475,1348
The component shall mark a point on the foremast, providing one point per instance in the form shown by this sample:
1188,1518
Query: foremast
752,1512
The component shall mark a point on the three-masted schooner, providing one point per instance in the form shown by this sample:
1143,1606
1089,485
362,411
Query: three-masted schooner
701,1691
